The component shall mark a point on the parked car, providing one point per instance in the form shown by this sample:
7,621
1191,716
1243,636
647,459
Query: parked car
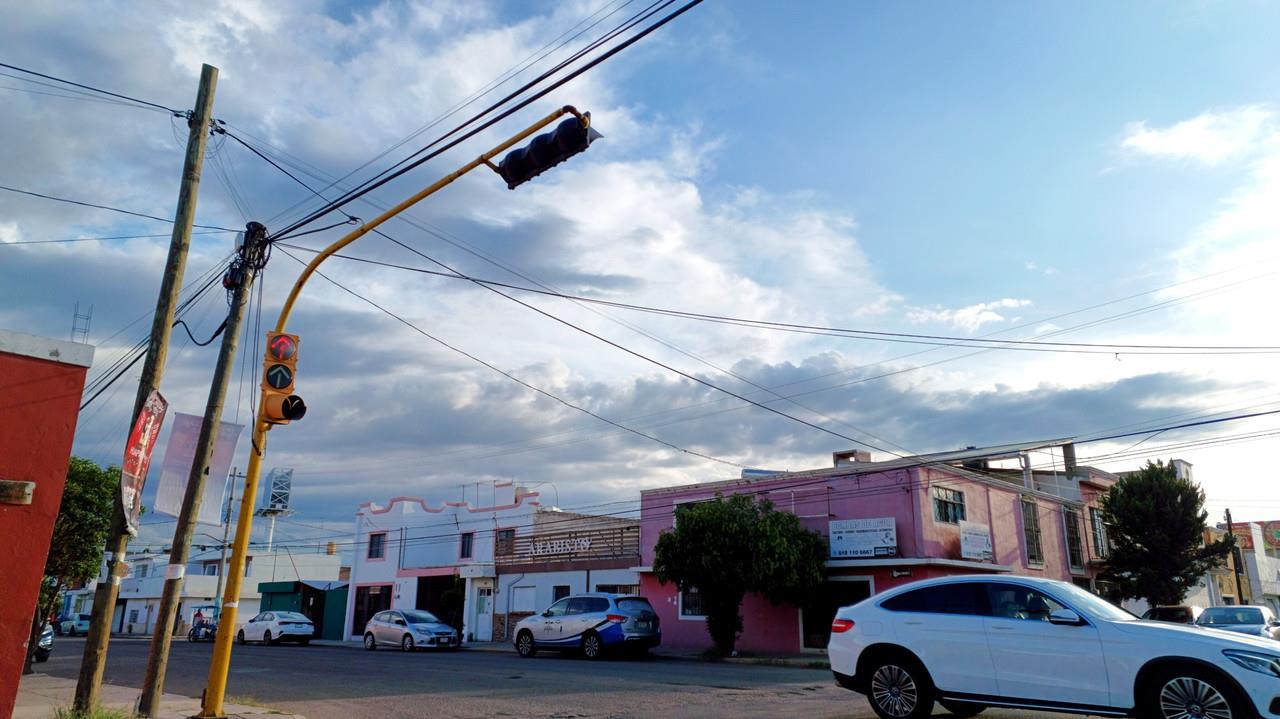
76,624
275,627
1028,643
44,645
409,629
1183,614
1245,619
591,623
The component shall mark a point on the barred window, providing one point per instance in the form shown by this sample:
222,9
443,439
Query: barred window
948,505
1031,530
691,602
1101,543
1075,552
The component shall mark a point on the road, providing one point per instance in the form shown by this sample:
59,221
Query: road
345,683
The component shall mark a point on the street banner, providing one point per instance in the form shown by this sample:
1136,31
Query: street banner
975,541
137,458
863,538
180,454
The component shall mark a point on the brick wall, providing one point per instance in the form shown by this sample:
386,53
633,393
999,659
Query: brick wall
500,633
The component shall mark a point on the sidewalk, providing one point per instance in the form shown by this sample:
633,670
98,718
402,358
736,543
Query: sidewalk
40,696
804,661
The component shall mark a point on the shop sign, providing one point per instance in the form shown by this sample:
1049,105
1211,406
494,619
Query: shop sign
975,541
863,538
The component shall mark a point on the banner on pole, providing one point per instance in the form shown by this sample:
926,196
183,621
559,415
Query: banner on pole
137,458
180,454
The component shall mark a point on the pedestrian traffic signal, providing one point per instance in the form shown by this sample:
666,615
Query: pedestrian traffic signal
547,150
279,404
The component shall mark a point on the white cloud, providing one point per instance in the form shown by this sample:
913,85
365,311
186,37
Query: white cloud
970,318
1211,137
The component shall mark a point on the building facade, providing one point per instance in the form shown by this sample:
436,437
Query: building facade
482,568
992,510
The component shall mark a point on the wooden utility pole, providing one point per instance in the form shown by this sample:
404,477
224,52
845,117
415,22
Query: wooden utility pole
240,276
104,599
1237,557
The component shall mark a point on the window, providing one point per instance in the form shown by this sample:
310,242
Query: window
559,591
691,603
142,570
506,542
464,548
948,505
1101,544
1031,530
578,605
1071,522
961,598
133,616
558,609
617,589
211,569
377,546
1014,601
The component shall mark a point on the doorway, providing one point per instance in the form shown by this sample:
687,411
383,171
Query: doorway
369,601
816,613
484,611
443,597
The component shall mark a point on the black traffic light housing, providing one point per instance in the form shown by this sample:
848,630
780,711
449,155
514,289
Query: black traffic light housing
547,150
279,369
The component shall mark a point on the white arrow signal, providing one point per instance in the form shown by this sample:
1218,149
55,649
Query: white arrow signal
279,376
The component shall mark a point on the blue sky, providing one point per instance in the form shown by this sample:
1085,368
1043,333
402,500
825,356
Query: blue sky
953,169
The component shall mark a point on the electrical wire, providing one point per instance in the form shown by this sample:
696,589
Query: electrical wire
103,239
105,207
93,89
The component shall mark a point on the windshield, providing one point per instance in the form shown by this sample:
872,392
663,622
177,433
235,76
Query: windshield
1217,616
291,617
419,617
1093,604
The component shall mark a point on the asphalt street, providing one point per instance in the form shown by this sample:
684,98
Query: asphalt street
345,683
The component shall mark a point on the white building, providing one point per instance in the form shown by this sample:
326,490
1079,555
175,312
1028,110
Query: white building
482,568
138,604
1262,563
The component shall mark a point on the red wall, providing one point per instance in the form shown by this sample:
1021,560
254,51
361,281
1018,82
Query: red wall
39,402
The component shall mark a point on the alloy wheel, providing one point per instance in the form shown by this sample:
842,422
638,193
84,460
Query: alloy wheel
894,691
591,646
524,645
1192,698
407,643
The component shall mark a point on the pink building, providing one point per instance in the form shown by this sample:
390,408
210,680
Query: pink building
1015,509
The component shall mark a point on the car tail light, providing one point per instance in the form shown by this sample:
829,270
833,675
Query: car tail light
619,618
840,626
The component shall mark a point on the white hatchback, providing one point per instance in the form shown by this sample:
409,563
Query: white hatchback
978,641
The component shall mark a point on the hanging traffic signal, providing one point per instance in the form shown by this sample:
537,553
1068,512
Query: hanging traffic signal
547,150
279,404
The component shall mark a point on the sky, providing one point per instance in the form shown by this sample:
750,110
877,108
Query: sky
1101,173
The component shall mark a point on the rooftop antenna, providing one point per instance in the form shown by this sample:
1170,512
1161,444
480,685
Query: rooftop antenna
80,324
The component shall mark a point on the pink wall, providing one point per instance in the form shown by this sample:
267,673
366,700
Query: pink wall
903,494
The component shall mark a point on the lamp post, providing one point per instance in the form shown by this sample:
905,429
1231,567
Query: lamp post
280,406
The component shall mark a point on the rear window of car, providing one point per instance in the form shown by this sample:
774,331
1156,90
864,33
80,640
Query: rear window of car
83,617
963,598
1171,614
1231,615
635,604
291,617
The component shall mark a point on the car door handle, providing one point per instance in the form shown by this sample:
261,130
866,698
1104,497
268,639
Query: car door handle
916,623
1001,628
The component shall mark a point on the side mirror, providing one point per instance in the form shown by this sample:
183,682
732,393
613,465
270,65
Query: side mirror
547,613
1066,617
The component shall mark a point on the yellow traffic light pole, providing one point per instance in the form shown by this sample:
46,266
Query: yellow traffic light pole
219,665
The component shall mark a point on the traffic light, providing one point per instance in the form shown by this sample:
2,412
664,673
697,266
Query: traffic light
546,151
279,404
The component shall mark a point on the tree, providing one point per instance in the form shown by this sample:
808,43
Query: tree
727,548
1156,521
79,533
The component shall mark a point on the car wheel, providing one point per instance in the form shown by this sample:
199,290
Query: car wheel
899,688
1192,692
304,642
370,643
266,638
524,644
41,656
962,709
406,644
240,638
592,646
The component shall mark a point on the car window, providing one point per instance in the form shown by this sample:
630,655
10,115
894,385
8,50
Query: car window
396,618
292,617
578,605
1231,615
635,604
597,604
1013,601
960,598
420,617
380,617
558,609
84,617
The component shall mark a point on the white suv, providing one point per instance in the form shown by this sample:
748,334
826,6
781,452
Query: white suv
977,641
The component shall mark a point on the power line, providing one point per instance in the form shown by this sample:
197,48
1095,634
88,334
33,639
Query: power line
104,239
105,207
385,177
94,89
510,376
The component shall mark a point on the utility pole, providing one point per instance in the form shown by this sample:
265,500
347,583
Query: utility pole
226,532
104,599
1237,556
239,279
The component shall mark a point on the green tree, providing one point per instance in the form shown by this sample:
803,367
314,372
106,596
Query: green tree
727,548
79,533
1156,522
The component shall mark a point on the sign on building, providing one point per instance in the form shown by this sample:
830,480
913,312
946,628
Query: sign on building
862,538
975,541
